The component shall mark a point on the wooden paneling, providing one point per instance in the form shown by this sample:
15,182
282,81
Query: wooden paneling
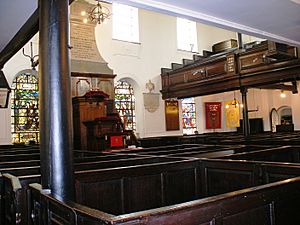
276,203
180,186
220,177
255,216
251,61
142,192
265,63
106,196
274,173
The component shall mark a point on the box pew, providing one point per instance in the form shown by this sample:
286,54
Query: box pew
15,202
17,147
171,151
251,147
19,157
126,189
280,154
21,163
157,148
19,151
226,138
219,176
86,153
277,139
203,154
201,151
272,172
287,141
159,141
276,203
33,176
169,147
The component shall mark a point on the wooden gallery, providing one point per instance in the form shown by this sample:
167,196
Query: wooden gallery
111,115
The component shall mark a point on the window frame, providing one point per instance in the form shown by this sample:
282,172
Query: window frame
189,24
25,108
134,27
122,84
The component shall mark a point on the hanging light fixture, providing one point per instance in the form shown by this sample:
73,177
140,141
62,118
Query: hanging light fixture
282,94
98,14
234,103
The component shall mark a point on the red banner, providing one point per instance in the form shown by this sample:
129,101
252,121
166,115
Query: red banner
213,115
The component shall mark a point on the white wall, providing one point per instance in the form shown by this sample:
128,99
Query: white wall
142,62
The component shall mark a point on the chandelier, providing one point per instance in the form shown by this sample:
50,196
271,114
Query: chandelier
98,14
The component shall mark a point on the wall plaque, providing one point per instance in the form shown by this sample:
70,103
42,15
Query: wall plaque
172,115
151,101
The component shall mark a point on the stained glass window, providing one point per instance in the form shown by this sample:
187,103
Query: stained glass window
25,109
188,116
125,104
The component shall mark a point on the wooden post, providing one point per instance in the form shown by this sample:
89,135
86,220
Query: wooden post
246,127
56,141
240,41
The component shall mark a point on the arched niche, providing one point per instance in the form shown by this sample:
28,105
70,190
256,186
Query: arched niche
285,115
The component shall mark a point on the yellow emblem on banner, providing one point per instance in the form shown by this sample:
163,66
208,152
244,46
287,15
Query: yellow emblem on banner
232,111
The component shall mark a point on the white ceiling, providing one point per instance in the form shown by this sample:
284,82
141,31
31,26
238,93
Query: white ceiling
274,19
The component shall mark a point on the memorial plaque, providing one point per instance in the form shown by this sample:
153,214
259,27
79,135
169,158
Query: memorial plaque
172,115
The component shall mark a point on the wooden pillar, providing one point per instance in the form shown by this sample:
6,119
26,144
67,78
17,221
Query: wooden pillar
55,99
246,126
240,41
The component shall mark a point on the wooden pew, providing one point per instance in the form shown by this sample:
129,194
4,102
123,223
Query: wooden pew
15,202
280,154
29,176
267,204
168,150
126,189
220,176
19,157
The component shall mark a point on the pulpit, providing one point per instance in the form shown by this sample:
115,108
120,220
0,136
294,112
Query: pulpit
88,107
105,133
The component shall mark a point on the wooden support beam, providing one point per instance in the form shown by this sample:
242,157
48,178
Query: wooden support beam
284,87
27,31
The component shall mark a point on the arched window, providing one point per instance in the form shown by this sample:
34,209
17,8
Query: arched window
125,104
25,109
188,115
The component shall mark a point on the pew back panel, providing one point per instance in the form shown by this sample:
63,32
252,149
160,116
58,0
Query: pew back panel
277,203
127,189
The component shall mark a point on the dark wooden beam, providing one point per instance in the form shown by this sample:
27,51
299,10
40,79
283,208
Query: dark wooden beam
27,31
284,87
